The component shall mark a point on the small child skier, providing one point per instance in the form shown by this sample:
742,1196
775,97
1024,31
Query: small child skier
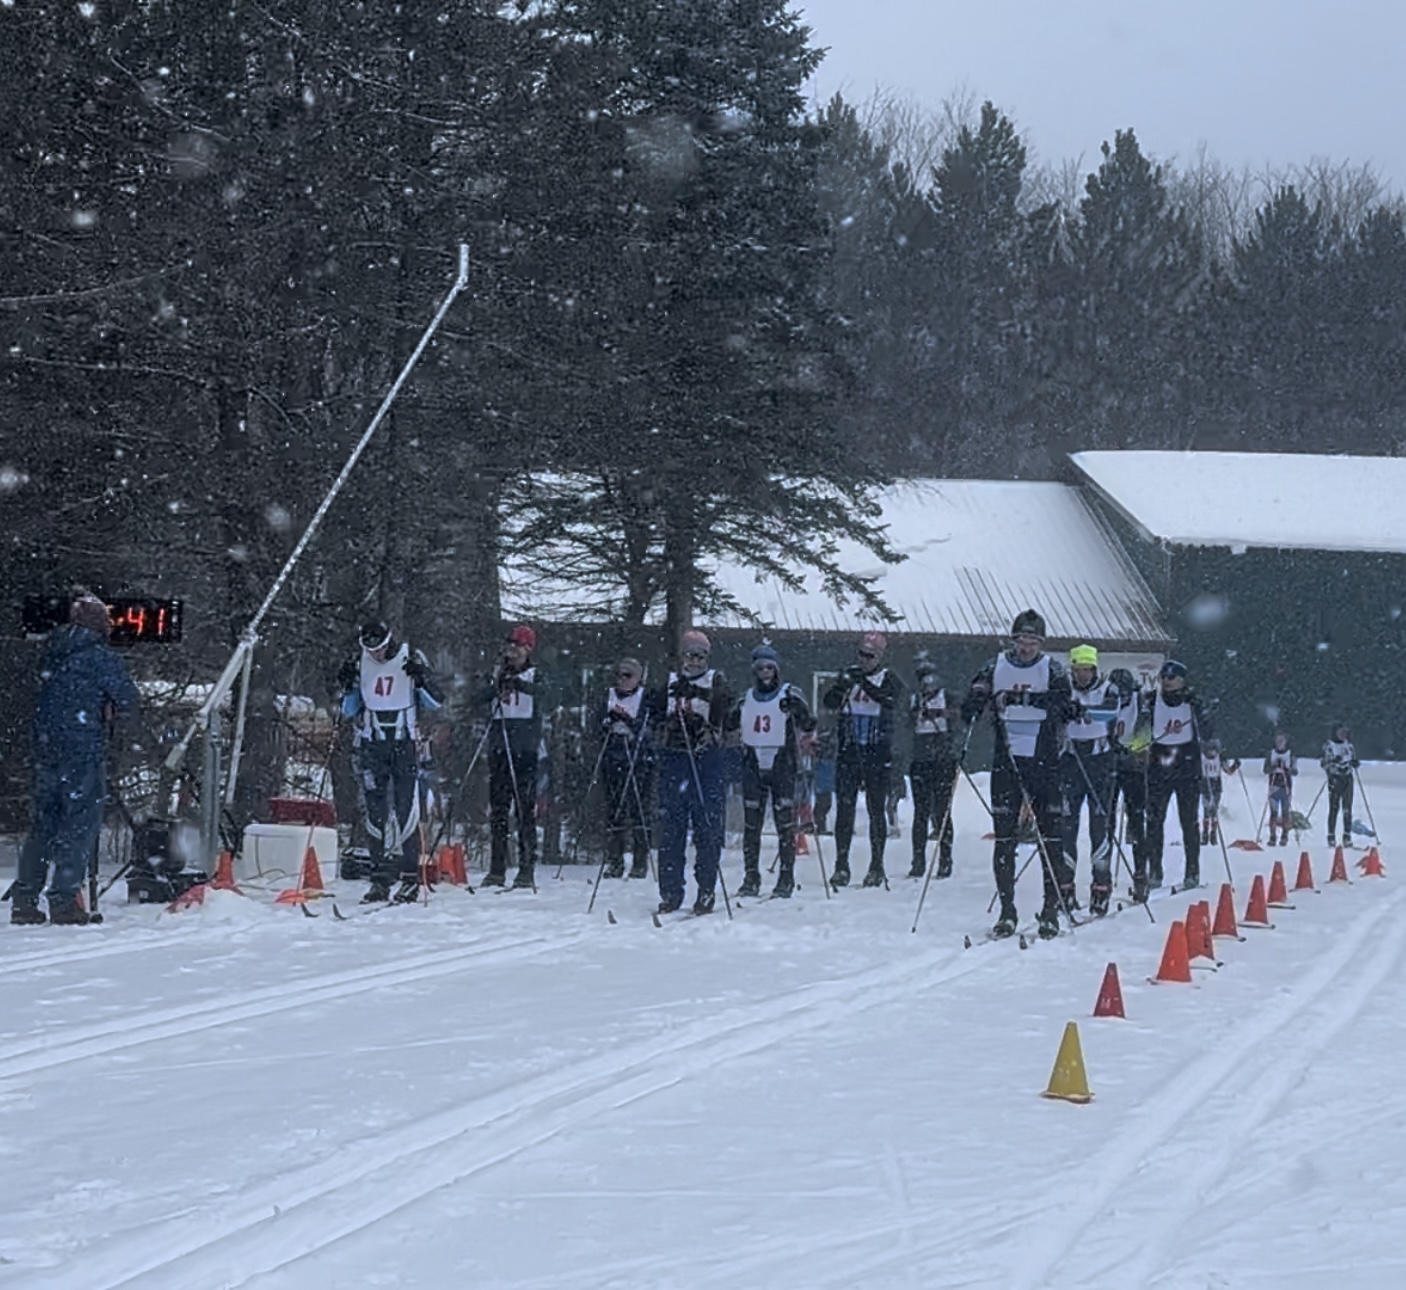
1211,788
1280,767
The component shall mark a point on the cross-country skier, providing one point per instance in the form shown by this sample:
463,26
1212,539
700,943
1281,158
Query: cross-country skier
514,742
1131,740
1280,767
1179,724
384,687
85,685
865,698
1029,695
687,715
1087,771
932,769
1212,789
627,770
1339,761
771,717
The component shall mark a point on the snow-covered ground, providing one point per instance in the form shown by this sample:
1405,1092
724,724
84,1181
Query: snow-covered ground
498,1090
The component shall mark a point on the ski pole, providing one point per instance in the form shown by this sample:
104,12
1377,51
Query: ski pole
447,823
946,817
1362,788
1313,805
1110,834
585,798
615,808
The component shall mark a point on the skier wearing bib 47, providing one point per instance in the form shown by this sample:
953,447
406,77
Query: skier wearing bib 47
1029,695
1339,760
771,716
1086,772
1179,724
383,691
865,697
687,715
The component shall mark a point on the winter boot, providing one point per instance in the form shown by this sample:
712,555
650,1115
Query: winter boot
408,892
785,883
944,866
524,878
751,883
494,878
919,867
704,903
640,869
1006,924
377,893
840,878
875,877
27,916
1048,926
616,868
1098,898
669,905
67,915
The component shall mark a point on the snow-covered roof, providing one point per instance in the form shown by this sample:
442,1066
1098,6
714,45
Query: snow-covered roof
979,552
1256,499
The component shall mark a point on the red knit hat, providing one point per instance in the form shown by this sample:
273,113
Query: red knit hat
524,636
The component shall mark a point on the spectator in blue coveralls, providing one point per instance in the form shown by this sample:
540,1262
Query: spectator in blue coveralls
84,686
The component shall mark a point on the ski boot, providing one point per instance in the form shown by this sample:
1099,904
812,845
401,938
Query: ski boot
785,883
751,883
670,905
1138,895
67,915
944,866
1154,876
919,868
408,892
494,878
1099,893
1272,839
377,893
875,877
1006,924
1190,878
616,868
640,869
1332,841
1047,927
704,903
524,878
840,878
27,916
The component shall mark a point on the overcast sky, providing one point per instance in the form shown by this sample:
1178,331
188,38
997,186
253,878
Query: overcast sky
1266,83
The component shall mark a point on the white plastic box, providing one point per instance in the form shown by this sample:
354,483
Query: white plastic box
271,849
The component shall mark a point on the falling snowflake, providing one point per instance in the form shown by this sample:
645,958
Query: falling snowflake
12,478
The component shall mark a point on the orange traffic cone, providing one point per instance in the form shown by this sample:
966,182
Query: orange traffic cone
1110,995
1339,871
1224,924
1198,934
802,846
1068,1081
1371,865
224,873
1278,893
446,866
1304,881
309,882
1257,911
191,896
1175,966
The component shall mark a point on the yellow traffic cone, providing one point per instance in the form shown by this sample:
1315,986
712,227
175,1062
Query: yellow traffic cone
1068,1081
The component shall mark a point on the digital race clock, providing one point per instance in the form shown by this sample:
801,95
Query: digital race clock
136,620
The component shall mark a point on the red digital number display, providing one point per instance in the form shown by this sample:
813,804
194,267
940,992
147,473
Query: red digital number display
144,620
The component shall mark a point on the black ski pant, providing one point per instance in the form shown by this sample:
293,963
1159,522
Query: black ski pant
1087,777
865,765
1340,795
68,816
1130,783
1014,782
932,782
627,789
390,779
779,784
1182,780
512,791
